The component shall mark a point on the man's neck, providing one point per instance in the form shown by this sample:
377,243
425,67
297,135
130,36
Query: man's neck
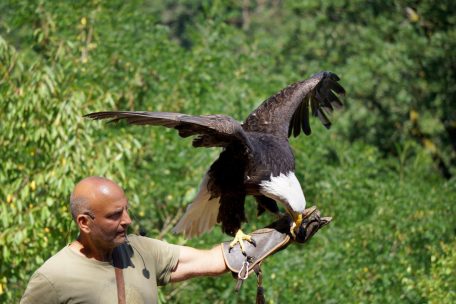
87,248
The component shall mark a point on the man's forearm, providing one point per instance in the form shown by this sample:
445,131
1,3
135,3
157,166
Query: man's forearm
196,262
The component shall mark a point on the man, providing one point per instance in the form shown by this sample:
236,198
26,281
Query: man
103,265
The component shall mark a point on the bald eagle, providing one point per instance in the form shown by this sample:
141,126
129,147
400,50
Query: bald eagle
256,158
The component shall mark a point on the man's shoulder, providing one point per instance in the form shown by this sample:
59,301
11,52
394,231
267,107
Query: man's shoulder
65,263
56,262
52,267
153,247
43,282
156,254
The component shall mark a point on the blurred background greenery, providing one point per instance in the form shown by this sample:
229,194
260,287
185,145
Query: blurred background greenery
385,171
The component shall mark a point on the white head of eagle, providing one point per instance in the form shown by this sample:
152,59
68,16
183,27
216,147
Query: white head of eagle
285,188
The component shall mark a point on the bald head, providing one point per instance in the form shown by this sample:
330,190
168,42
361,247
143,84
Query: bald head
91,193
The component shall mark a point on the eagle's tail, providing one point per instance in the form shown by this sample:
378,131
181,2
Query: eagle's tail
201,214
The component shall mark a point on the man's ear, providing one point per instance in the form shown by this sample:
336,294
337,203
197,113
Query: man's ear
83,222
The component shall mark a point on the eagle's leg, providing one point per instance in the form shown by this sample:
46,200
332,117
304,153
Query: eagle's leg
295,225
240,237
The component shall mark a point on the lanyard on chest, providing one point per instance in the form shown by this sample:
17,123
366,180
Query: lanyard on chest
120,286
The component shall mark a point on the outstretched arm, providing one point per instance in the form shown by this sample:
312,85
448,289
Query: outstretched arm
195,262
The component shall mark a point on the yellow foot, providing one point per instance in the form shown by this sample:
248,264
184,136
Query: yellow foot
295,226
240,237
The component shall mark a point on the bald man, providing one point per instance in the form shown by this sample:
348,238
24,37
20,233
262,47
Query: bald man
103,265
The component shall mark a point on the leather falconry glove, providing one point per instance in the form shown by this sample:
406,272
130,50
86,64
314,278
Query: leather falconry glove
269,240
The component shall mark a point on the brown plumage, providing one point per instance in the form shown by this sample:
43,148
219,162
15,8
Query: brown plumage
256,159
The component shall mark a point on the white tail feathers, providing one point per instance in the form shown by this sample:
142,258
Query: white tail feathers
201,214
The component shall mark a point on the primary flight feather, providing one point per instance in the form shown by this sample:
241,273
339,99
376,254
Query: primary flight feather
256,158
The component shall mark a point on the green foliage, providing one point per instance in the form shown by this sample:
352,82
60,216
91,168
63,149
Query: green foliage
378,171
438,286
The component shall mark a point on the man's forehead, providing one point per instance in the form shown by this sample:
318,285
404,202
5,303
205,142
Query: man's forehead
111,203
120,203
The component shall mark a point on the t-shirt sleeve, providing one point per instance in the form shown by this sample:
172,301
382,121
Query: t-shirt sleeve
165,257
39,290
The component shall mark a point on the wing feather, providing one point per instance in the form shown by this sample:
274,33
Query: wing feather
287,112
217,130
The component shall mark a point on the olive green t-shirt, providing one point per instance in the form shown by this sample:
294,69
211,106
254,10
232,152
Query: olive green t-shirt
69,277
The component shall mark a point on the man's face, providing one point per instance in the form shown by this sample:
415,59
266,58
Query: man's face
109,226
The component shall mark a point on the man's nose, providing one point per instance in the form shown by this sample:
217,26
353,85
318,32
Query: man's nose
126,220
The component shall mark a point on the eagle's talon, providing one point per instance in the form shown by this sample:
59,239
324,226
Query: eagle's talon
292,228
240,237
296,224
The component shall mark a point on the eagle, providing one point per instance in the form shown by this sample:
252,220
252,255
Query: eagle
256,157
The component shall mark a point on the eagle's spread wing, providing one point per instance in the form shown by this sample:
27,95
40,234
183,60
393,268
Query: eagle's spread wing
287,112
211,130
